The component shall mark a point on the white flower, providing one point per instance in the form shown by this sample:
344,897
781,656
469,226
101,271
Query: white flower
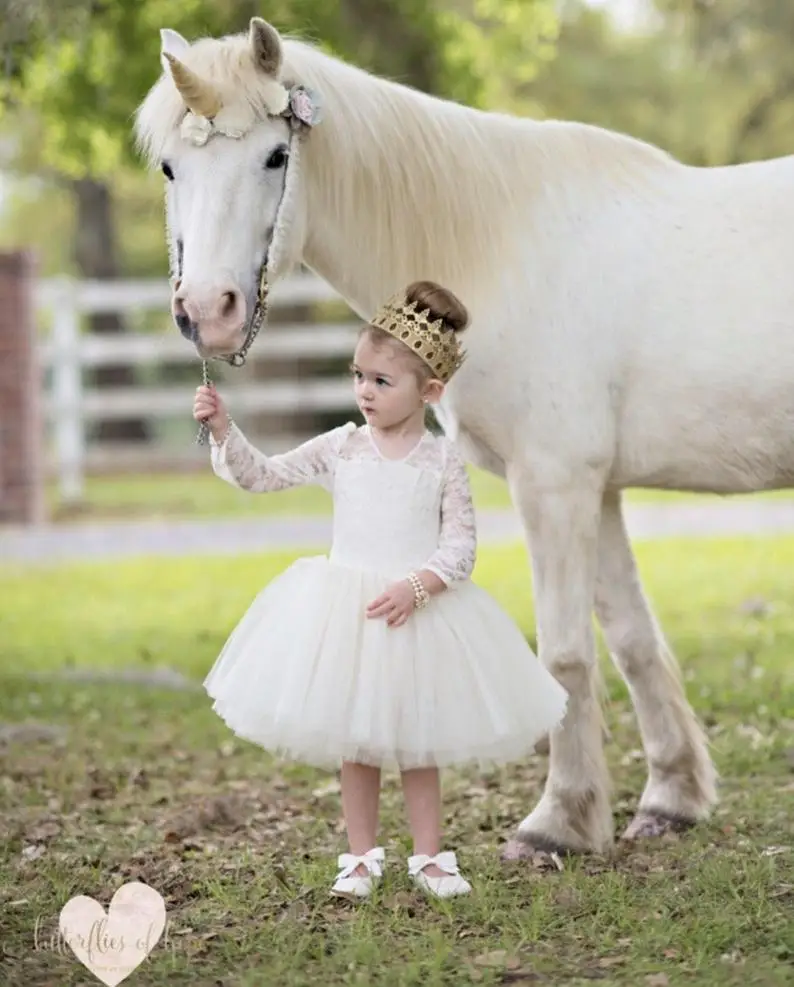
196,129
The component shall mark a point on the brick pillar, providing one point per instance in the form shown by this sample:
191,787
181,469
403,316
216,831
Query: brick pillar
21,445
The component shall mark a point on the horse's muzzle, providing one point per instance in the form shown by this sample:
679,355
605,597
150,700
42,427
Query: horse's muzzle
214,320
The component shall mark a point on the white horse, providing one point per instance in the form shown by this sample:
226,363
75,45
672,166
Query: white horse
632,325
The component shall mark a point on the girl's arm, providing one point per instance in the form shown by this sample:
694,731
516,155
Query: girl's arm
454,558
239,463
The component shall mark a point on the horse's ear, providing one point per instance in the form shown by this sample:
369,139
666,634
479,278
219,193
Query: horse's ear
171,43
265,46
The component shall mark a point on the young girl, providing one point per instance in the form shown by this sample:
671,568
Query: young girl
384,653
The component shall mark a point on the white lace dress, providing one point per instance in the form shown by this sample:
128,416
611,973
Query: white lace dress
306,675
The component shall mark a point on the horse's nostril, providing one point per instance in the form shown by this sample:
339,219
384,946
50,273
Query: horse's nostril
184,324
228,304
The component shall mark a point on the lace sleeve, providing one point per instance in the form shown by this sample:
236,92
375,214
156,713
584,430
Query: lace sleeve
454,558
242,465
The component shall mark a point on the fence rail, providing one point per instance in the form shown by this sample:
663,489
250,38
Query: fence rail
70,404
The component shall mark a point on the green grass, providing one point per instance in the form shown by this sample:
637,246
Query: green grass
148,784
204,495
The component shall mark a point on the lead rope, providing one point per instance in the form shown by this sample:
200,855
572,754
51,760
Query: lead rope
237,359
308,116
204,429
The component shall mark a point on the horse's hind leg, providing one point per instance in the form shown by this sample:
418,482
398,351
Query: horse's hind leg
681,777
562,519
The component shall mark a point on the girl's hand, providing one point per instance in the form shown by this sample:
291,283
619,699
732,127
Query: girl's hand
397,604
209,407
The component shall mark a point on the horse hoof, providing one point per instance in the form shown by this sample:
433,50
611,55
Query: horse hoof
652,825
516,850
532,848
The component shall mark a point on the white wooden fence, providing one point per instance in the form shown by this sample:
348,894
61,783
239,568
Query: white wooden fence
70,405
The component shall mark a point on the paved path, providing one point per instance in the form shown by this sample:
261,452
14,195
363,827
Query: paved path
234,536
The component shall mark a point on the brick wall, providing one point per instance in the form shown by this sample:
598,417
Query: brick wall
21,424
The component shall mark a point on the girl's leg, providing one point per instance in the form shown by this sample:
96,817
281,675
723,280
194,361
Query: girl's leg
422,791
360,800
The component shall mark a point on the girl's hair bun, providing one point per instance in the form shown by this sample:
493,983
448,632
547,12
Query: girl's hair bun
441,302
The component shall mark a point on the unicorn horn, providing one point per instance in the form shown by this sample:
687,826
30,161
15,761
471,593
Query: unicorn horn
198,95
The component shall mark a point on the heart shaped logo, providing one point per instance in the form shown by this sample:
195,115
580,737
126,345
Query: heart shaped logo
112,944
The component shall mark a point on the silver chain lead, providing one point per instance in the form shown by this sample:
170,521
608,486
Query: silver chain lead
237,359
204,429
259,316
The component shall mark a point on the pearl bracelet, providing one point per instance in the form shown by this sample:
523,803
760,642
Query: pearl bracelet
421,596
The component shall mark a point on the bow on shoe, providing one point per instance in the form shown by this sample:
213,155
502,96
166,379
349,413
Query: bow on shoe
372,860
446,861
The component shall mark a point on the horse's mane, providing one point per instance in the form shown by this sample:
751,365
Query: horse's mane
433,179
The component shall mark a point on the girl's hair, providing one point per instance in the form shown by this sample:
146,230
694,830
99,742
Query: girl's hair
441,302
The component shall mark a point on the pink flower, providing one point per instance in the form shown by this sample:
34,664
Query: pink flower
304,106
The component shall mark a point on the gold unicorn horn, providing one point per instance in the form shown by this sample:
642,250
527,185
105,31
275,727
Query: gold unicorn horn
199,96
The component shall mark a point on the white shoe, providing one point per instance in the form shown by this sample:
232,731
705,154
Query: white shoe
452,883
351,885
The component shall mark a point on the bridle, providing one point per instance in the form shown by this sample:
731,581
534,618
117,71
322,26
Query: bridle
303,111
255,323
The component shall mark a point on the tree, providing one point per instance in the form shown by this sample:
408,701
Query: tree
52,67
85,77
746,48
81,66
709,91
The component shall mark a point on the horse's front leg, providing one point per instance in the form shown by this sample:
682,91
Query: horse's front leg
562,521
681,776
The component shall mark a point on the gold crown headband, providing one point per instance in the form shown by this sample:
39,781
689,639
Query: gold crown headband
439,348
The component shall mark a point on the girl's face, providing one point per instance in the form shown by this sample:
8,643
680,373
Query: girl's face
387,387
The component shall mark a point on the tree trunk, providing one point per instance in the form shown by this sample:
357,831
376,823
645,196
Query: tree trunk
96,257
403,48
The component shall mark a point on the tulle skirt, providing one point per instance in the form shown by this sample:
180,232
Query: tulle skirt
306,675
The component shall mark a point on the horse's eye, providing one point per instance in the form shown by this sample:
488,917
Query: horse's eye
278,158
167,171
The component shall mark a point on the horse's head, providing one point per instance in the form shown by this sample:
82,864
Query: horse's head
220,123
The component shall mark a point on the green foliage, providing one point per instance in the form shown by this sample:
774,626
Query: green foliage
711,83
77,69
85,78
40,214
745,51
494,46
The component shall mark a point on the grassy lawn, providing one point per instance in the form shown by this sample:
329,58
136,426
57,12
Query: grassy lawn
196,495
146,783
204,495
